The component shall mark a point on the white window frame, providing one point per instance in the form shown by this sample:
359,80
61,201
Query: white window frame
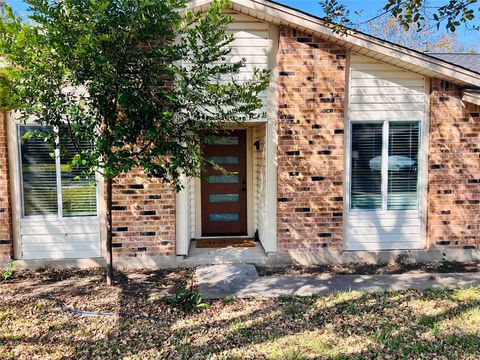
59,215
384,187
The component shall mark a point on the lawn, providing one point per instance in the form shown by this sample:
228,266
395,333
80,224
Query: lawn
441,324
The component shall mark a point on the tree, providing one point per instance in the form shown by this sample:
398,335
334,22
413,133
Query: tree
141,81
421,13
427,40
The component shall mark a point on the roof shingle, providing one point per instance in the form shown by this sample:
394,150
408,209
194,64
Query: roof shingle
468,61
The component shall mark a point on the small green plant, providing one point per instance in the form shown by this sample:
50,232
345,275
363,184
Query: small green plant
229,299
401,259
9,271
188,301
447,265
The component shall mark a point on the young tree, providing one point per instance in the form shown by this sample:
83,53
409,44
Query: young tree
143,82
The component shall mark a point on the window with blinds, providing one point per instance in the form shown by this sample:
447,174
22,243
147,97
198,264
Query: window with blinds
50,185
369,147
366,181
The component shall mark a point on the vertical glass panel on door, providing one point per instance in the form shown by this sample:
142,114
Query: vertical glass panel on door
403,140
39,179
78,188
225,160
224,217
223,179
223,198
366,166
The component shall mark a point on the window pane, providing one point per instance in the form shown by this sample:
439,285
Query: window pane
225,160
366,182
223,198
224,217
38,175
223,179
225,140
78,194
403,166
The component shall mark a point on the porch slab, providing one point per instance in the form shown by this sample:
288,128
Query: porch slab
213,256
238,281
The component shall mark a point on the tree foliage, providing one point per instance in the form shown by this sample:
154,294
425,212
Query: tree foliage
420,14
426,40
143,81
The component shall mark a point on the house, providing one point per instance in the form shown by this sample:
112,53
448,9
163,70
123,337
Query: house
369,150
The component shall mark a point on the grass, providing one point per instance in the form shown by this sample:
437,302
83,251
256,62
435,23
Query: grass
443,324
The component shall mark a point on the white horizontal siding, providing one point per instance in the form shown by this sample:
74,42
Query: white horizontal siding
379,92
383,230
259,179
60,238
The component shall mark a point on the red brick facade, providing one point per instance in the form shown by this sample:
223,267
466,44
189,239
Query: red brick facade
5,206
143,217
454,170
310,142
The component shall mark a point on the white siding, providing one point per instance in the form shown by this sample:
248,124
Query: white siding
252,43
66,238
191,218
259,180
378,91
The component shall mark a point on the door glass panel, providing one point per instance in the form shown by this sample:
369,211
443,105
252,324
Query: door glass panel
224,217
38,175
223,179
223,198
225,140
78,191
403,166
225,160
366,176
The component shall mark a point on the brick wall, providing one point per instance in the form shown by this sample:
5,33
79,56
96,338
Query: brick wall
310,144
454,170
5,209
143,216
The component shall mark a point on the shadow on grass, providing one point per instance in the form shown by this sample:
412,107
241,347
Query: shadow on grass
342,325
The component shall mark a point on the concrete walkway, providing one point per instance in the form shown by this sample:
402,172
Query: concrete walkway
219,281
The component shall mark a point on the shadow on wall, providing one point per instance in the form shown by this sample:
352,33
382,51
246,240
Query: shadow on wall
454,170
310,144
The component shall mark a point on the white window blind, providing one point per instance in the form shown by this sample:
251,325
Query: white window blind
403,165
386,185
366,182
51,186
79,195
38,174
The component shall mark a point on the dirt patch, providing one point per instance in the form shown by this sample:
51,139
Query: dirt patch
371,269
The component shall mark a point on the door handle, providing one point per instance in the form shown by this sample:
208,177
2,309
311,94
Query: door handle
243,189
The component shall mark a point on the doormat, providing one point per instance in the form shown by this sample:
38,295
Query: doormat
225,242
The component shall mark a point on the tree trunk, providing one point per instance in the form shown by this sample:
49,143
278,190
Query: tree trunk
108,224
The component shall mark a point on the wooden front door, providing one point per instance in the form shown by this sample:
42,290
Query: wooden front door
224,195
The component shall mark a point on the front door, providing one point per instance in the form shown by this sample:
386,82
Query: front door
224,194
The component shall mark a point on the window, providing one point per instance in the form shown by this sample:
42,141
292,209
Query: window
50,185
384,165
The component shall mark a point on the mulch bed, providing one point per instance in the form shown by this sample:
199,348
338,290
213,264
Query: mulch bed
371,269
